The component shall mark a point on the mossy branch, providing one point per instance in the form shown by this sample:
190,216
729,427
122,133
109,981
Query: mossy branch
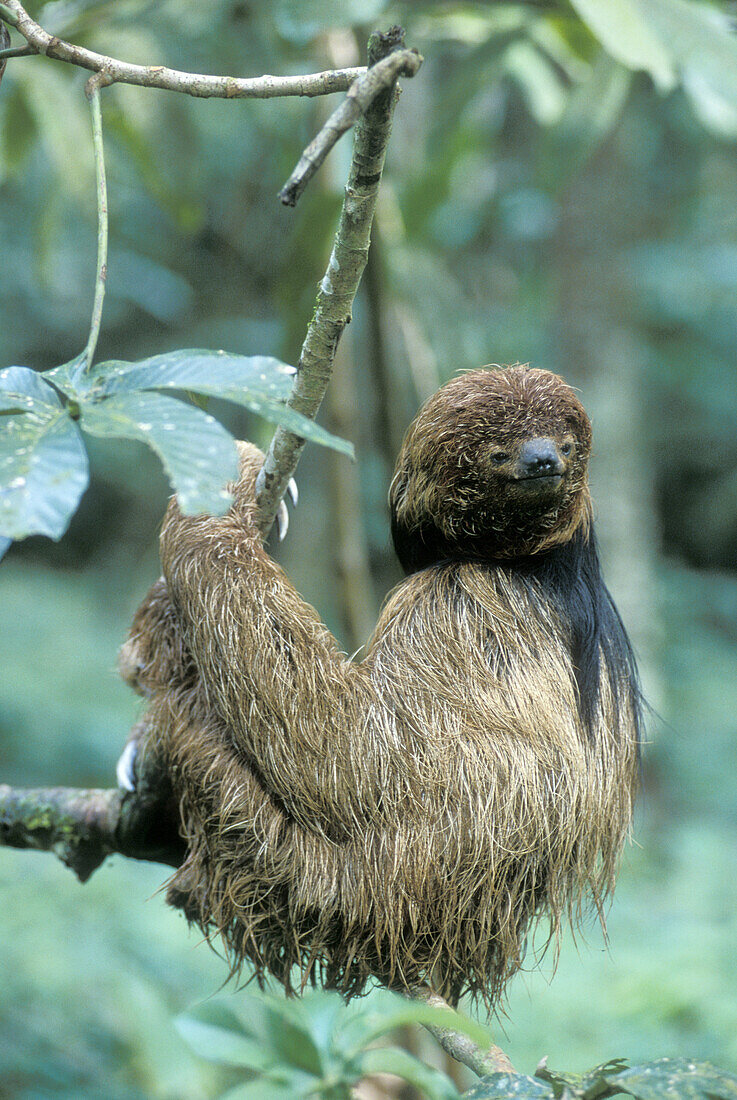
83,827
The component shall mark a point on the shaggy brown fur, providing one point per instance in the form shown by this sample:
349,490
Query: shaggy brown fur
405,816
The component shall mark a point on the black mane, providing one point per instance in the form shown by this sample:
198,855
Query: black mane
568,577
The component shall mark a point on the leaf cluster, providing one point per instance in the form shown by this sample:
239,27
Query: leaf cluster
43,462
315,1046
657,1080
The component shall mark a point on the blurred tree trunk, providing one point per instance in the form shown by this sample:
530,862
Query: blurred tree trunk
603,213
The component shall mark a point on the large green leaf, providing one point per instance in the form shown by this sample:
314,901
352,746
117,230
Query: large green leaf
258,376
24,390
626,33
671,40
388,1011
501,1086
43,473
702,41
198,454
228,1046
258,382
268,1035
681,1077
431,1082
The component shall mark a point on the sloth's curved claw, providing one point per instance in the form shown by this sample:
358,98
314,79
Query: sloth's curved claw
282,521
125,769
293,491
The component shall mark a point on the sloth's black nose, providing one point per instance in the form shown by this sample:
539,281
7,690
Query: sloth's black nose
540,458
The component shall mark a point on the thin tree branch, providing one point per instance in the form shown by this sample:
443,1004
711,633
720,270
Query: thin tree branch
4,47
172,80
460,1046
92,91
340,282
360,96
16,51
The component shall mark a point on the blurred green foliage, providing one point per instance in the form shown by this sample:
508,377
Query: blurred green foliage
547,198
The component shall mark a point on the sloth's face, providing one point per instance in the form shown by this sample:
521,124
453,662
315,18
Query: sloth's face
533,470
494,465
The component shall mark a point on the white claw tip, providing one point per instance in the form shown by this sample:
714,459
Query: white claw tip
293,491
125,768
282,521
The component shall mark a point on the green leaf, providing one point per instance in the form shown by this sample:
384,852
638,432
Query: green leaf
65,377
681,1077
198,454
499,1086
24,390
538,80
701,40
257,382
43,472
588,1086
388,1011
224,1045
325,1013
260,1090
283,1028
431,1082
628,35
212,372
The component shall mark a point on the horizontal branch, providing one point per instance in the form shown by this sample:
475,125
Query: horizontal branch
172,80
83,827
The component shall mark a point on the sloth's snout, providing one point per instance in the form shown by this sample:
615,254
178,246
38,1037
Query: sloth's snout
540,458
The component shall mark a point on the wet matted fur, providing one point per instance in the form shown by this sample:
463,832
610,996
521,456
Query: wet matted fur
407,815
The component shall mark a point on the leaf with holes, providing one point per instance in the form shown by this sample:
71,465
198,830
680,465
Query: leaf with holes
198,454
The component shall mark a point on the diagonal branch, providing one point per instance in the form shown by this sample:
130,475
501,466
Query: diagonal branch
341,280
460,1046
172,80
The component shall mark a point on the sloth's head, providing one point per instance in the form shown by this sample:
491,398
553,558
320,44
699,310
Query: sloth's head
493,466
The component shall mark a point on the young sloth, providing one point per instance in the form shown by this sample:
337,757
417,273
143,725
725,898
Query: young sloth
405,816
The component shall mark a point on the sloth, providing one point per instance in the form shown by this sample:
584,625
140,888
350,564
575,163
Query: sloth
409,816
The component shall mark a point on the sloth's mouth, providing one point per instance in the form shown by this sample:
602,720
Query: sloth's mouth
552,480
539,483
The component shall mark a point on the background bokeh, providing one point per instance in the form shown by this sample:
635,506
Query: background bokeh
543,202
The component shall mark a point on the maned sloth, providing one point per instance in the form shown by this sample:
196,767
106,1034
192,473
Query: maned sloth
407,815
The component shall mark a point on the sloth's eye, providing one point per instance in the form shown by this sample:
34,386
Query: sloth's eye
566,448
499,457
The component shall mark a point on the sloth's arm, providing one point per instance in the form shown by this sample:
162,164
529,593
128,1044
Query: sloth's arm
298,710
